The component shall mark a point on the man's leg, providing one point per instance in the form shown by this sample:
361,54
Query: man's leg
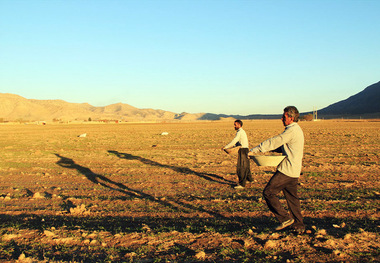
277,183
293,201
243,169
239,168
247,165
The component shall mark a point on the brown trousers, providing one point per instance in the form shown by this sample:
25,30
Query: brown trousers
243,168
288,185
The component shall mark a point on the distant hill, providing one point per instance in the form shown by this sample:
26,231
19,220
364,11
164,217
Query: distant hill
365,104
17,108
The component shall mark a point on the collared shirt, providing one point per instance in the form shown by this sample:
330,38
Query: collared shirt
291,142
240,139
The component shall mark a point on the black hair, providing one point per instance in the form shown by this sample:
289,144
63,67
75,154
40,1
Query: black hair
240,122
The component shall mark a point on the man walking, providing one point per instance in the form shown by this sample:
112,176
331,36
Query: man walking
243,169
285,179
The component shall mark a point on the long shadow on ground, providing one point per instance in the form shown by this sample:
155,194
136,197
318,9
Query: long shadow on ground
184,170
110,184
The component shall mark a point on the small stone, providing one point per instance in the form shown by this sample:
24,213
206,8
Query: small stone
331,243
270,244
201,255
8,237
22,257
39,195
347,236
322,232
49,233
248,243
275,236
66,240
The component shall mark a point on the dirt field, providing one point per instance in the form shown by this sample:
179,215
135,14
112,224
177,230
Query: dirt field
127,193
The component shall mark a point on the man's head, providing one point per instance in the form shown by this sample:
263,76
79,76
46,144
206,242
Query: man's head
238,124
290,115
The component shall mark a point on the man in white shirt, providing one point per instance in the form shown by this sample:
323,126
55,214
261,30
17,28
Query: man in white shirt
285,179
243,169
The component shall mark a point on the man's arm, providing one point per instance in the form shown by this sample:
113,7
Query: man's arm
233,142
273,143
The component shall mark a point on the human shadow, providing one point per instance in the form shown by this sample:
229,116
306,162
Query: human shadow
110,184
102,180
183,170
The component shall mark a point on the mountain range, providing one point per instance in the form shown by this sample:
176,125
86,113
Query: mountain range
365,104
16,108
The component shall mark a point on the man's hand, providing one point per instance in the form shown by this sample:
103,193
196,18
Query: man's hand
226,150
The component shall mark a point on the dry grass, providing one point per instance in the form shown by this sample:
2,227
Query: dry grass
127,193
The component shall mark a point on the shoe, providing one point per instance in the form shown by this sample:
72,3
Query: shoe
239,187
285,224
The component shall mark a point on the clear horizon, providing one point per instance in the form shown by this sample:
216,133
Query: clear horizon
226,57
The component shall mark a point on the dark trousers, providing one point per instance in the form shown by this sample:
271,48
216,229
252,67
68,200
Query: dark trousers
243,168
288,185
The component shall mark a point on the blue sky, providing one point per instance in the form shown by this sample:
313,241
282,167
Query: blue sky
232,57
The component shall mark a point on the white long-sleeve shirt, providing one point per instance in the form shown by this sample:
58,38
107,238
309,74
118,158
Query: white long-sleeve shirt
291,142
241,138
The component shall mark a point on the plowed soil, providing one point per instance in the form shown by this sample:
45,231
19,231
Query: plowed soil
124,192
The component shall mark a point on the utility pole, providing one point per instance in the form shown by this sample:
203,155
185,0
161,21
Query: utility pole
315,114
